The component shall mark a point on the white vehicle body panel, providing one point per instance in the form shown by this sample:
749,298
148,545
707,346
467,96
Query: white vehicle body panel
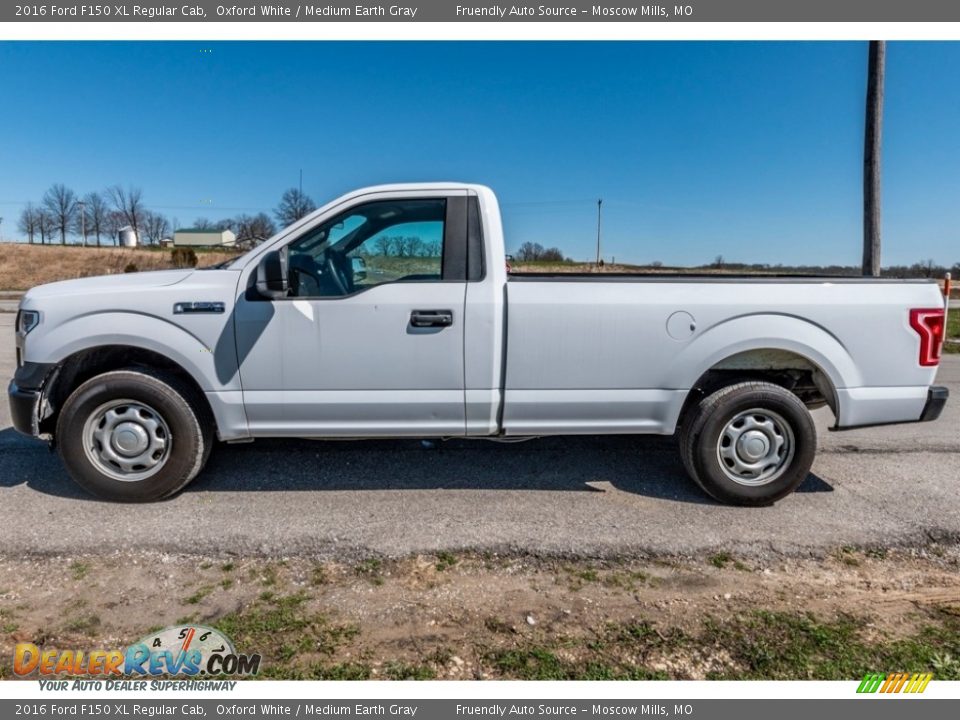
595,356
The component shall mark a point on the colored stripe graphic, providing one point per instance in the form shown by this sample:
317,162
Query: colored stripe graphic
870,683
187,640
894,682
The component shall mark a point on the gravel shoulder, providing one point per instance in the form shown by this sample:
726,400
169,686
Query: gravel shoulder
480,616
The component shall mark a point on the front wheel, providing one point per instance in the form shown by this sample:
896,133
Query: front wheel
751,443
132,435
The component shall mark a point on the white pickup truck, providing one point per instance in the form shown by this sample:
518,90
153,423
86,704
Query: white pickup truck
390,312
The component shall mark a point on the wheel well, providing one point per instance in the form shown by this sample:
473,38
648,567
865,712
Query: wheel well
789,370
85,364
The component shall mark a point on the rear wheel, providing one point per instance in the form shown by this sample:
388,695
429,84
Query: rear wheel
133,435
751,443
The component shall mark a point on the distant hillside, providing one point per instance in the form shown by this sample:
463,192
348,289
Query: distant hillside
24,266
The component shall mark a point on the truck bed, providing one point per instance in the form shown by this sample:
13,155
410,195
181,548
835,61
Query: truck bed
604,352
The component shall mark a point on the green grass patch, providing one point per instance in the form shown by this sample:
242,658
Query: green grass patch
720,560
340,671
946,666
286,633
83,624
540,663
405,671
578,577
227,567
445,561
79,569
319,576
371,569
783,646
626,580
847,555
758,645
199,595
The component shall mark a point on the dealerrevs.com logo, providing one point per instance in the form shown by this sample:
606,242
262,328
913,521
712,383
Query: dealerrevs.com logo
191,650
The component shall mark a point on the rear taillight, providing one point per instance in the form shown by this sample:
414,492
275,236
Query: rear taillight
929,324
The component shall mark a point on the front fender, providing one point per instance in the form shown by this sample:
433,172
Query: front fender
207,351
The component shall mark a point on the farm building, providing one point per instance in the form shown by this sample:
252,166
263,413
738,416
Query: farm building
194,237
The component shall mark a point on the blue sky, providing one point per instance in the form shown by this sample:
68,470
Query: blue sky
748,150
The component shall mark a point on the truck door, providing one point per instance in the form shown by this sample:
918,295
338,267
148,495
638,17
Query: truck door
370,339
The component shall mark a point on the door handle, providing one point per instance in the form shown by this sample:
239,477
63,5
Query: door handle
431,318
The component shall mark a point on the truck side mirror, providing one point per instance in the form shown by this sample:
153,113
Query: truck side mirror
272,275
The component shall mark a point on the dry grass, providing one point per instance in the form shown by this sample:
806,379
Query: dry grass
24,266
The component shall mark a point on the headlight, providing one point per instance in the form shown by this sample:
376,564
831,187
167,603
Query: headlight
27,320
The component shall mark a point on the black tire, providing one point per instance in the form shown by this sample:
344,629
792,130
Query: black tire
785,425
171,409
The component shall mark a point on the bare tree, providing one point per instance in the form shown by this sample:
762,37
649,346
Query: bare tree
873,131
383,245
155,227
112,222
414,246
96,209
61,204
29,223
202,224
403,246
529,251
261,227
129,203
927,268
293,205
44,225
253,230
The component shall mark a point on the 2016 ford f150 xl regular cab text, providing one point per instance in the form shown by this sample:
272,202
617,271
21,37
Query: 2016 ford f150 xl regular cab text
390,313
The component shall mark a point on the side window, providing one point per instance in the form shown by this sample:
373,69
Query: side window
372,244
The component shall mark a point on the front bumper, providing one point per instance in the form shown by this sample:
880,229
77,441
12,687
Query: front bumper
936,399
24,395
23,409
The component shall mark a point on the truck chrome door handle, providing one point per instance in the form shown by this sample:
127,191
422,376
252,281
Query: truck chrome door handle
431,318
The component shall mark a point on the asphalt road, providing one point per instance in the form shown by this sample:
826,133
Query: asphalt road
585,496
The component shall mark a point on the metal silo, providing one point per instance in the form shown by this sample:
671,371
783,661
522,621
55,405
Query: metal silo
127,237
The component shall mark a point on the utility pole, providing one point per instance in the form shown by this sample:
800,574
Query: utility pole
599,208
873,128
301,182
83,221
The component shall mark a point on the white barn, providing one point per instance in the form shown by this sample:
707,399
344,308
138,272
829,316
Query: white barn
194,237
